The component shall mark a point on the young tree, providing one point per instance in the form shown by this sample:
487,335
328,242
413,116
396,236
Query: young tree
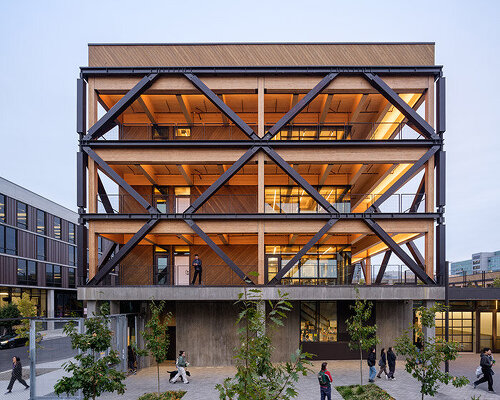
156,336
27,309
256,377
92,373
9,311
424,363
363,336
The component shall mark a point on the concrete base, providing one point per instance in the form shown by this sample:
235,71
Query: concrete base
392,319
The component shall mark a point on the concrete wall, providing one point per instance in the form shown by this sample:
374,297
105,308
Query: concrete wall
392,318
206,331
286,339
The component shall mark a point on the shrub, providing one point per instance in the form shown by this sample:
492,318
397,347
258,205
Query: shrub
170,395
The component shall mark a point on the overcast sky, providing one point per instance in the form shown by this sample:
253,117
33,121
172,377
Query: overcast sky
43,44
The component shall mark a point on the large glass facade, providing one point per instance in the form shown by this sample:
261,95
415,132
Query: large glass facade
318,321
461,327
294,199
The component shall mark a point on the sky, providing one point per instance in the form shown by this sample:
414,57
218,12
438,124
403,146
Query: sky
45,42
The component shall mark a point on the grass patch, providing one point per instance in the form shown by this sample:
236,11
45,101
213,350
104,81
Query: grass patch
170,395
365,392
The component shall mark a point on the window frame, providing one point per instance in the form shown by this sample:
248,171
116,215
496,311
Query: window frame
39,256
71,237
18,223
3,208
54,225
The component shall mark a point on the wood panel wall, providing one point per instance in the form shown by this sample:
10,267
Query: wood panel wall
137,267
228,199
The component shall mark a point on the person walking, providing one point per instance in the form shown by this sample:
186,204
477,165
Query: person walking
391,361
486,363
17,374
197,269
181,365
382,363
325,382
372,358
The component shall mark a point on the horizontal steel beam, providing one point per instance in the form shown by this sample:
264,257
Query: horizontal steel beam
318,216
435,70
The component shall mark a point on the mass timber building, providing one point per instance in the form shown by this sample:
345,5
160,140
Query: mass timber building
315,168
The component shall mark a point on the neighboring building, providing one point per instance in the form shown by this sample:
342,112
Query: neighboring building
283,160
484,261
37,251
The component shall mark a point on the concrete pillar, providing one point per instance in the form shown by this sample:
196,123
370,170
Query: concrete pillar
91,308
114,307
51,307
429,332
392,319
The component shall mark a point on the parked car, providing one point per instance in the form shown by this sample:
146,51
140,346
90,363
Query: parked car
12,340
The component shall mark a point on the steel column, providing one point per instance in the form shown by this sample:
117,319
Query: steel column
283,271
299,179
398,251
81,253
124,250
422,126
217,102
297,108
383,267
441,105
219,251
108,120
81,107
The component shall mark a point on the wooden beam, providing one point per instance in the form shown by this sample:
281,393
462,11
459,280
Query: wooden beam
186,109
184,174
224,238
221,168
292,238
225,120
325,108
148,172
149,112
325,171
186,239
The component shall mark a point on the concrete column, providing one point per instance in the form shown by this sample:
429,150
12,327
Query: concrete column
392,319
91,308
429,332
51,307
114,307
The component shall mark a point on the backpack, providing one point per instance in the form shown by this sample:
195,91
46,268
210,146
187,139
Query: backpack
323,379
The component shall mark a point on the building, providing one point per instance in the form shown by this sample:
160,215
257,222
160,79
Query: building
37,251
484,261
281,166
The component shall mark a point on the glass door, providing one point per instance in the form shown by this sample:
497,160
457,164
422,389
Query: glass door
273,265
162,269
486,329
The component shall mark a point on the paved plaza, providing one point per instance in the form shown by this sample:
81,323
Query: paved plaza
201,386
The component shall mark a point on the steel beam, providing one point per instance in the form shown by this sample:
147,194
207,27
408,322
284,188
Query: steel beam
311,191
104,197
297,108
124,250
383,267
415,252
106,254
283,271
419,196
218,251
107,121
398,251
217,102
221,180
119,180
406,176
413,117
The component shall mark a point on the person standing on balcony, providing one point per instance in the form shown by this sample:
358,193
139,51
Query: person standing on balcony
197,269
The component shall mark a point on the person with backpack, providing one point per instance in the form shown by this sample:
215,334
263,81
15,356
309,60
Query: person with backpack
486,364
325,382
382,363
372,358
391,361
181,365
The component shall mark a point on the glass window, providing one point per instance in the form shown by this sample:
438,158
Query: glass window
461,326
26,272
31,273
182,131
160,194
57,275
57,227
71,232
49,275
40,248
10,241
40,222
22,215
71,255
318,321
2,239
2,208
160,132
71,278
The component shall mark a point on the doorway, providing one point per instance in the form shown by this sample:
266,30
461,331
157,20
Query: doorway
181,271
272,266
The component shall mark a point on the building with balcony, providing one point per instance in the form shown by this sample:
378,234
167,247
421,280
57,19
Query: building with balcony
315,168
37,251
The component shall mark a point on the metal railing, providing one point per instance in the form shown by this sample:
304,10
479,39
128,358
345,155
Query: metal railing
229,131
480,279
247,204
395,274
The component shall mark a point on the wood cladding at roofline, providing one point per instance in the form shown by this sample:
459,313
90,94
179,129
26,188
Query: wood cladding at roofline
262,54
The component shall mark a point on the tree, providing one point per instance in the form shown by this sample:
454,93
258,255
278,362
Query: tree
93,373
256,377
424,363
27,309
9,311
496,282
363,336
156,336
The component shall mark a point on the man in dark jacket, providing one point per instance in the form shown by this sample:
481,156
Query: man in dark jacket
486,364
391,361
17,374
197,269
372,358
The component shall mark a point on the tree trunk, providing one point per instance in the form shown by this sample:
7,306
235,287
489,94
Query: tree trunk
361,364
158,375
